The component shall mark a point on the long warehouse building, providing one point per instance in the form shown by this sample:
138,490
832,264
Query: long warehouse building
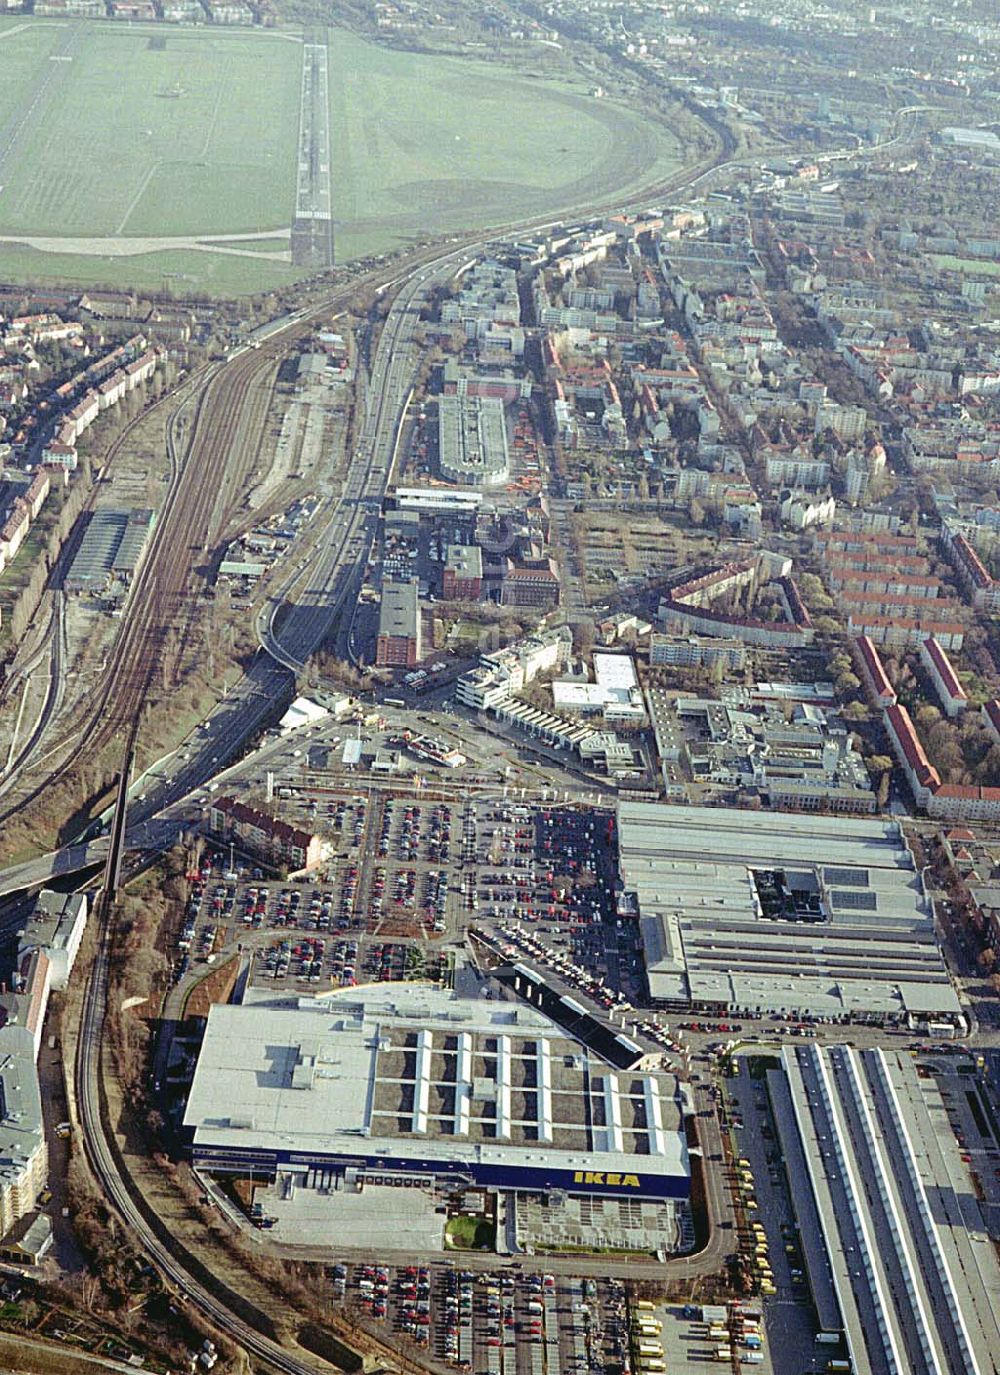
900,1265
415,1085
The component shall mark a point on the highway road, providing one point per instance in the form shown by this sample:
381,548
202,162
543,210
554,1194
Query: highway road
336,568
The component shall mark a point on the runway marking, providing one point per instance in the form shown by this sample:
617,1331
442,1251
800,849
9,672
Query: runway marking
313,215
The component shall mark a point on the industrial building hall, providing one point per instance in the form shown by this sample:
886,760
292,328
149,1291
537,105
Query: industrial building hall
472,441
110,551
413,1085
902,1271
764,912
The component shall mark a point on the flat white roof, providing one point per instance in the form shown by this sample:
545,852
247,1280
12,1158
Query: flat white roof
330,1076
302,712
781,911
900,1234
578,695
615,672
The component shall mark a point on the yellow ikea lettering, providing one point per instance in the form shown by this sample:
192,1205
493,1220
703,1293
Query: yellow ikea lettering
616,1181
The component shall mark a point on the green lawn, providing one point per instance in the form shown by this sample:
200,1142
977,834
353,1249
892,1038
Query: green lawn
24,47
984,267
428,144
163,131
178,271
470,1233
196,137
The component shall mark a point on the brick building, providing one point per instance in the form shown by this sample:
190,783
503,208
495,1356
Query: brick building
399,642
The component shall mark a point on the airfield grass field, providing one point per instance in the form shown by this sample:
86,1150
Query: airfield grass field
148,133
431,144
196,136
179,272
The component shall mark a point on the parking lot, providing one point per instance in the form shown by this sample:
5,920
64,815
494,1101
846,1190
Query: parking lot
415,870
773,1265
497,1324
554,870
408,872
691,1336
314,933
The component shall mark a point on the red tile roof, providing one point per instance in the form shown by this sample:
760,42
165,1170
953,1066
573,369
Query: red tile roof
908,623
971,562
898,721
942,665
906,599
875,668
280,831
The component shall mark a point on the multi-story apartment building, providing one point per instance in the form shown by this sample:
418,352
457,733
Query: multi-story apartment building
873,673
276,842
23,1152
950,692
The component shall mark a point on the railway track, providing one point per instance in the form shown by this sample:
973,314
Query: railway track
156,604
185,528
202,499
183,532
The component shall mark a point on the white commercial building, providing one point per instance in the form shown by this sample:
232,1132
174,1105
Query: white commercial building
472,441
412,1085
614,695
760,912
503,672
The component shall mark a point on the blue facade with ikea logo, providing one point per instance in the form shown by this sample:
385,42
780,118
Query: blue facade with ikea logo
490,1175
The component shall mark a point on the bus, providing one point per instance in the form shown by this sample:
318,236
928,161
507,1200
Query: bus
651,1367
644,1306
393,702
650,1349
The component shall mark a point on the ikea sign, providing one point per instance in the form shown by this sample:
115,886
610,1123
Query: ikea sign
606,1178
